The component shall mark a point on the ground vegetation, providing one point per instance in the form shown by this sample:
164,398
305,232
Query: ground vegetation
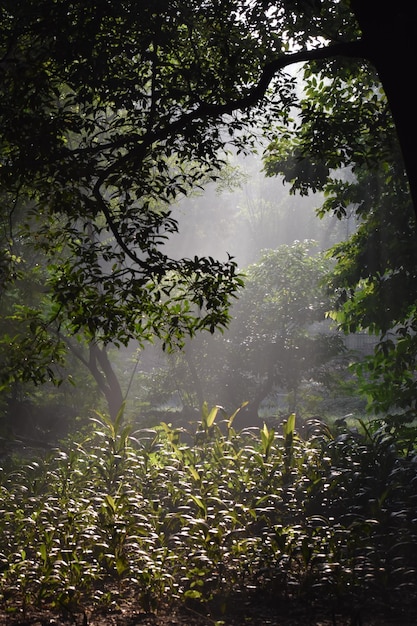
234,526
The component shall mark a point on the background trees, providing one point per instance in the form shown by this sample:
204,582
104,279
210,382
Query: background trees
276,343
278,355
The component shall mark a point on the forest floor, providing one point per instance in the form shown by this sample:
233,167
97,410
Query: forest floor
245,614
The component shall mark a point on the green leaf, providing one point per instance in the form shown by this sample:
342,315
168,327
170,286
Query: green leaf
289,426
110,503
199,502
208,416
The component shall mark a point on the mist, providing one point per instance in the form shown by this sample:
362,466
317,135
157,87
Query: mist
247,213
244,216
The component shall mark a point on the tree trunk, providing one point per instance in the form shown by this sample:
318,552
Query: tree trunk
389,33
106,379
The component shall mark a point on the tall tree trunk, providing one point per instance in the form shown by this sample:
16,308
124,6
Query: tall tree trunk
390,36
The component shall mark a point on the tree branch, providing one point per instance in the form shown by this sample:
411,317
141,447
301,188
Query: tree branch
111,224
354,49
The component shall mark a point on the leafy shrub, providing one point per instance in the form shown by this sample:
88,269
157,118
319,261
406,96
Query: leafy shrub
148,516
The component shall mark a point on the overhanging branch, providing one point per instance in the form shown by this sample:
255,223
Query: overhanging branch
354,49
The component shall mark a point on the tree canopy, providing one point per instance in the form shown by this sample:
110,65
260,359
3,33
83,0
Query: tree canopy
111,111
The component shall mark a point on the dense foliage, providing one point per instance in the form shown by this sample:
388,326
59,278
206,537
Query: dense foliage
109,113
362,178
134,519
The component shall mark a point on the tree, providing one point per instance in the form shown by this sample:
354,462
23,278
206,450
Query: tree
275,344
393,23
35,348
376,267
96,205
375,278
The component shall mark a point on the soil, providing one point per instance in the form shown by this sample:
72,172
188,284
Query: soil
245,614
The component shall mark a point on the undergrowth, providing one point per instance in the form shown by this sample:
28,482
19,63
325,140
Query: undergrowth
163,515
